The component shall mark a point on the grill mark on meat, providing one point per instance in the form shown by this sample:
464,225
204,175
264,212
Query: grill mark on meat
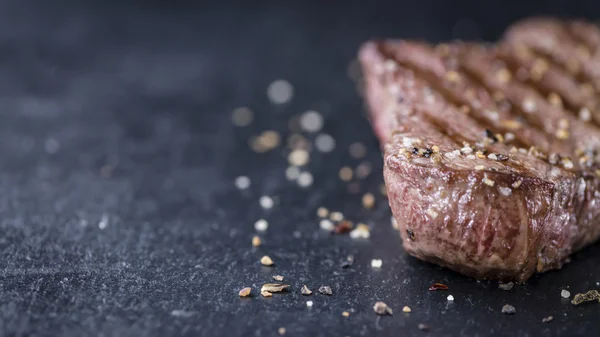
553,81
586,33
465,94
571,136
552,39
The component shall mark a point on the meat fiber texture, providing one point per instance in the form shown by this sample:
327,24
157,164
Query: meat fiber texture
491,151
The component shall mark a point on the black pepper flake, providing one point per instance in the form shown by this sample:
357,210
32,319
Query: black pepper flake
428,152
489,134
411,234
347,263
325,290
415,150
508,309
501,157
400,99
438,286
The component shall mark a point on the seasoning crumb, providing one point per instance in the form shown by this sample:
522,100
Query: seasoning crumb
325,290
547,319
565,293
305,179
506,286
346,173
343,227
381,308
305,291
488,181
450,298
266,202
517,183
278,278
368,200
245,292
361,231
438,286
326,225
406,309
363,170
261,225
357,150
309,303
242,182
292,173
241,116
383,190
336,216
266,261
432,213
266,293
508,309
394,223
256,241
273,288
280,91
376,263
423,327
298,157
587,297
345,314
324,143
311,121
281,331
322,212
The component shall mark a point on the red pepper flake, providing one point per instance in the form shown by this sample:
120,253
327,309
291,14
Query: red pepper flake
438,286
343,227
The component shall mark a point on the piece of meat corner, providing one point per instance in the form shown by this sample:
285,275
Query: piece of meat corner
480,217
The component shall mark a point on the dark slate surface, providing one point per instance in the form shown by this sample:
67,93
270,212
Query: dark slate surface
147,91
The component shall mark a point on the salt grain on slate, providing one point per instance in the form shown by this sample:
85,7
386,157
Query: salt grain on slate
242,182
381,308
311,121
305,291
325,143
325,290
280,91
506,286
261,225
305,179
508,309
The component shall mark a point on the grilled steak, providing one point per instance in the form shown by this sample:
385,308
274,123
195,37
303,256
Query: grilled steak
491,151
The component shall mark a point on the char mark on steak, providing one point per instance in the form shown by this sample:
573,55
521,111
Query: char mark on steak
491,152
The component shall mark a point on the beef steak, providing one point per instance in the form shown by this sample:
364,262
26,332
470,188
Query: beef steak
491,151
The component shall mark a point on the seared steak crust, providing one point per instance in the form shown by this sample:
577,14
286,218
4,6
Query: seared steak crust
491,152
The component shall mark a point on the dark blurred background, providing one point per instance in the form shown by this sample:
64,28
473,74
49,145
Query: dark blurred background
118,210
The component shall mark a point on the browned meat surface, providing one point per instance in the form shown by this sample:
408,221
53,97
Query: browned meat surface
491,152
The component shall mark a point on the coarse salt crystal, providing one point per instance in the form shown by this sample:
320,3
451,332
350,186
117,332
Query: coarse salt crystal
450,298
261,225
376,263
506,191
466,150
492,156
432,213
266,202
305,179
309,303
292,173
242,182
326,225
565,293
